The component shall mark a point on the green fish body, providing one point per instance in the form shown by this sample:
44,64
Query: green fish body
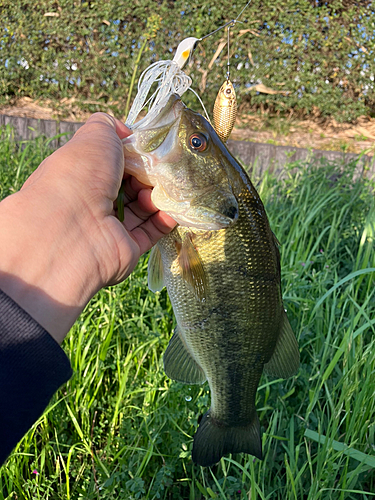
224,285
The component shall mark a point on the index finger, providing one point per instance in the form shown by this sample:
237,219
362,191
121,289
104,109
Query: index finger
121,129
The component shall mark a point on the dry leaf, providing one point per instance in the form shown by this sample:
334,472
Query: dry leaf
249,55
242,32
202,85
266,90
220,47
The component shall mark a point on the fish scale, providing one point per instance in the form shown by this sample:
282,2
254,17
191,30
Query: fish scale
240,308
221,267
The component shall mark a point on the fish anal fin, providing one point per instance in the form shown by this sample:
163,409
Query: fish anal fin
179,364
155,276
191,266
213,440
285,359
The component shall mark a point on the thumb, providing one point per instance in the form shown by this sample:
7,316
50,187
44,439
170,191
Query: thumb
99,121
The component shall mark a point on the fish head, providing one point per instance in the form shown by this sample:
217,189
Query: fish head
182,157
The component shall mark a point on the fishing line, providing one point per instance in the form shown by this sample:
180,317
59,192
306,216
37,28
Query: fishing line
240,14
200,100
228,63
233,22
170,78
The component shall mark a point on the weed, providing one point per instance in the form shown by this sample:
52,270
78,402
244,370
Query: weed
121,429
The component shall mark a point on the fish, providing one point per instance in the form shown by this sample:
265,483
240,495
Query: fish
221,268
225,110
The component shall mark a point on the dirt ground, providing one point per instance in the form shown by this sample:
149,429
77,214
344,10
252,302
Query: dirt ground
320,134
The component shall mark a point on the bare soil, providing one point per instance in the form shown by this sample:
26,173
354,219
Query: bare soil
327,135
66,109
312,133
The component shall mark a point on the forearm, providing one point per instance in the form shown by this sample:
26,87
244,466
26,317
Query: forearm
44,266
32,368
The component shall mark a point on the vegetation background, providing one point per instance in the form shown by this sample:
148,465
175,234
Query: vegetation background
120,428
316,56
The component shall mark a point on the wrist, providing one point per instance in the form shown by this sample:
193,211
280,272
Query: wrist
46,265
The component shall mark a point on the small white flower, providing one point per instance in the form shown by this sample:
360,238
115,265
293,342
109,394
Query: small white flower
24,63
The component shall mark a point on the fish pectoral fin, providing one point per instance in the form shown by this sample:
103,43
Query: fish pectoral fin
191,266
179,364
155,278
285,359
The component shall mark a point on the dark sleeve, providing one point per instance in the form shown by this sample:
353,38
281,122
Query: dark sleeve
32,367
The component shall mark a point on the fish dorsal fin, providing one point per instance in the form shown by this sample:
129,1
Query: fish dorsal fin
179,364
285,360
155,277
191,266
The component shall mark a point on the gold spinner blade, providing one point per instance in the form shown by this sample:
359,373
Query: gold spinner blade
225,110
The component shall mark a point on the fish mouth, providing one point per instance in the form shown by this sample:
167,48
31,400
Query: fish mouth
145,148
212,210
215,223
206,218
215,210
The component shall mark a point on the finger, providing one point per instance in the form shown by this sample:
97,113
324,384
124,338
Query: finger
132,189
164,222
145,201
141,209
99,120
151,231
122,130
132,219
96,122
135,218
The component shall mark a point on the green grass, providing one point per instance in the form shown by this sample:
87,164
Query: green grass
121,430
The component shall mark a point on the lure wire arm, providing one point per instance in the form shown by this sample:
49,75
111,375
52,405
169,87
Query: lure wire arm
232,22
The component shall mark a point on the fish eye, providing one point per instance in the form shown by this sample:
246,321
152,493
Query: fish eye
198,142
228,91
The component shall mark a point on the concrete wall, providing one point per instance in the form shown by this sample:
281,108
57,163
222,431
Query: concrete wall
269,156
258,156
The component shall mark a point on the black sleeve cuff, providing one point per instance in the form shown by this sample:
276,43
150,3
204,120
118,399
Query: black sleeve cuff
32,368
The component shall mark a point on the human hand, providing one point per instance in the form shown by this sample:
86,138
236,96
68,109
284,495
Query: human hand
61,241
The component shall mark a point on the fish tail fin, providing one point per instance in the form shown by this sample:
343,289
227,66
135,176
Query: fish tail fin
214,440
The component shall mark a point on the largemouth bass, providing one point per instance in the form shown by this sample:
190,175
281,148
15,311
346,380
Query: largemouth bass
221,267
